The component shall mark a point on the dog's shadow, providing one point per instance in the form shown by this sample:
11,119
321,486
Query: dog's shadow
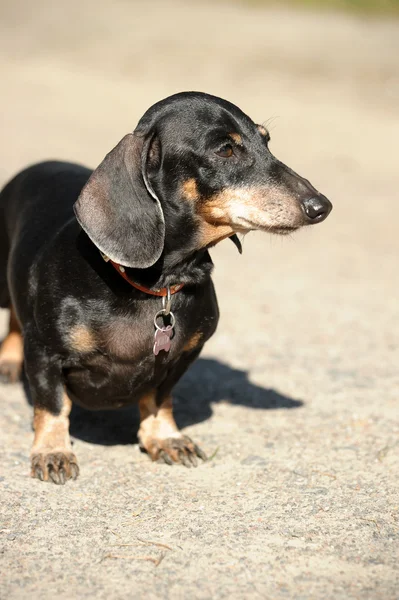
206,382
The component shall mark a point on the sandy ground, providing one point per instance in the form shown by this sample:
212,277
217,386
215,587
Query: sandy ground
296,395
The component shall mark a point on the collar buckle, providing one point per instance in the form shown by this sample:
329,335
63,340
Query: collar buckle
167,301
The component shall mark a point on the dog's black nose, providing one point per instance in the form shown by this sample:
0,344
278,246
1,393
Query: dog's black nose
317,208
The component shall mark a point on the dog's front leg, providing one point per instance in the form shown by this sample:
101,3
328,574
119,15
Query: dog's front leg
52,458
158,433
51,455
160,436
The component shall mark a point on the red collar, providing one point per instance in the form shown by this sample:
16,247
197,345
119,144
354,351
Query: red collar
161,292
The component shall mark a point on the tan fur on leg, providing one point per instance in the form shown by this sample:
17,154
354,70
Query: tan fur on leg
160,437
51,455
11,352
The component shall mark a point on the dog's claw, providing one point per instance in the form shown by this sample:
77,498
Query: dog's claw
56,467
57,477
38,473
74,471
200,453
193,460
163,456
176,450
184,459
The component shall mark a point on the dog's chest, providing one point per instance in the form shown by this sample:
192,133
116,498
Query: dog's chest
126,339
115,366
111,348
123,364
133,341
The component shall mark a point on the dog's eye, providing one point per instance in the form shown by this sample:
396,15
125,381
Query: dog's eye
225,151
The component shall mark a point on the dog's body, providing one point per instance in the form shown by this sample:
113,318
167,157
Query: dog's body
96,326
195,171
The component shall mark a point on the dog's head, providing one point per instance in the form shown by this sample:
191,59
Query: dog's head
195,171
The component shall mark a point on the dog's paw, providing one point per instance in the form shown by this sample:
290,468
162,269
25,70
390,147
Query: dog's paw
56,467
10,370
176,450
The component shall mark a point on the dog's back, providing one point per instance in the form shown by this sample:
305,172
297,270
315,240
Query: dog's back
33,206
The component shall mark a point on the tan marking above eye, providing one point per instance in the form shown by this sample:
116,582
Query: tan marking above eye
82,339
236,138
262,130
190,190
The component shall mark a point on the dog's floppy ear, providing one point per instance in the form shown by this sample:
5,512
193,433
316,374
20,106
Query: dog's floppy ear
118,209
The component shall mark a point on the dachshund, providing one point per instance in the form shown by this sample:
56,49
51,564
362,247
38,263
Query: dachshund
107,273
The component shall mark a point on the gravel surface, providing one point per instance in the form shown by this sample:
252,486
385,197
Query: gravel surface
295,398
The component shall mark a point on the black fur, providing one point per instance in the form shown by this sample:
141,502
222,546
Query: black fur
132,208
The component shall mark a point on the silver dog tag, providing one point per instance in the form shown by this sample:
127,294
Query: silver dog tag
162,339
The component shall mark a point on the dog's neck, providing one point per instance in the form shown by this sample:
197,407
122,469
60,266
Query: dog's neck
172,267
194,269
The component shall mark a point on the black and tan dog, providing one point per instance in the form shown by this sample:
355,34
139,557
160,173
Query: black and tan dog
88,259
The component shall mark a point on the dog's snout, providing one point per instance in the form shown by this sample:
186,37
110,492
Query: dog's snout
317,208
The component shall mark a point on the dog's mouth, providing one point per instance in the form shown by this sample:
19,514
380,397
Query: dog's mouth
282,230
245,225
